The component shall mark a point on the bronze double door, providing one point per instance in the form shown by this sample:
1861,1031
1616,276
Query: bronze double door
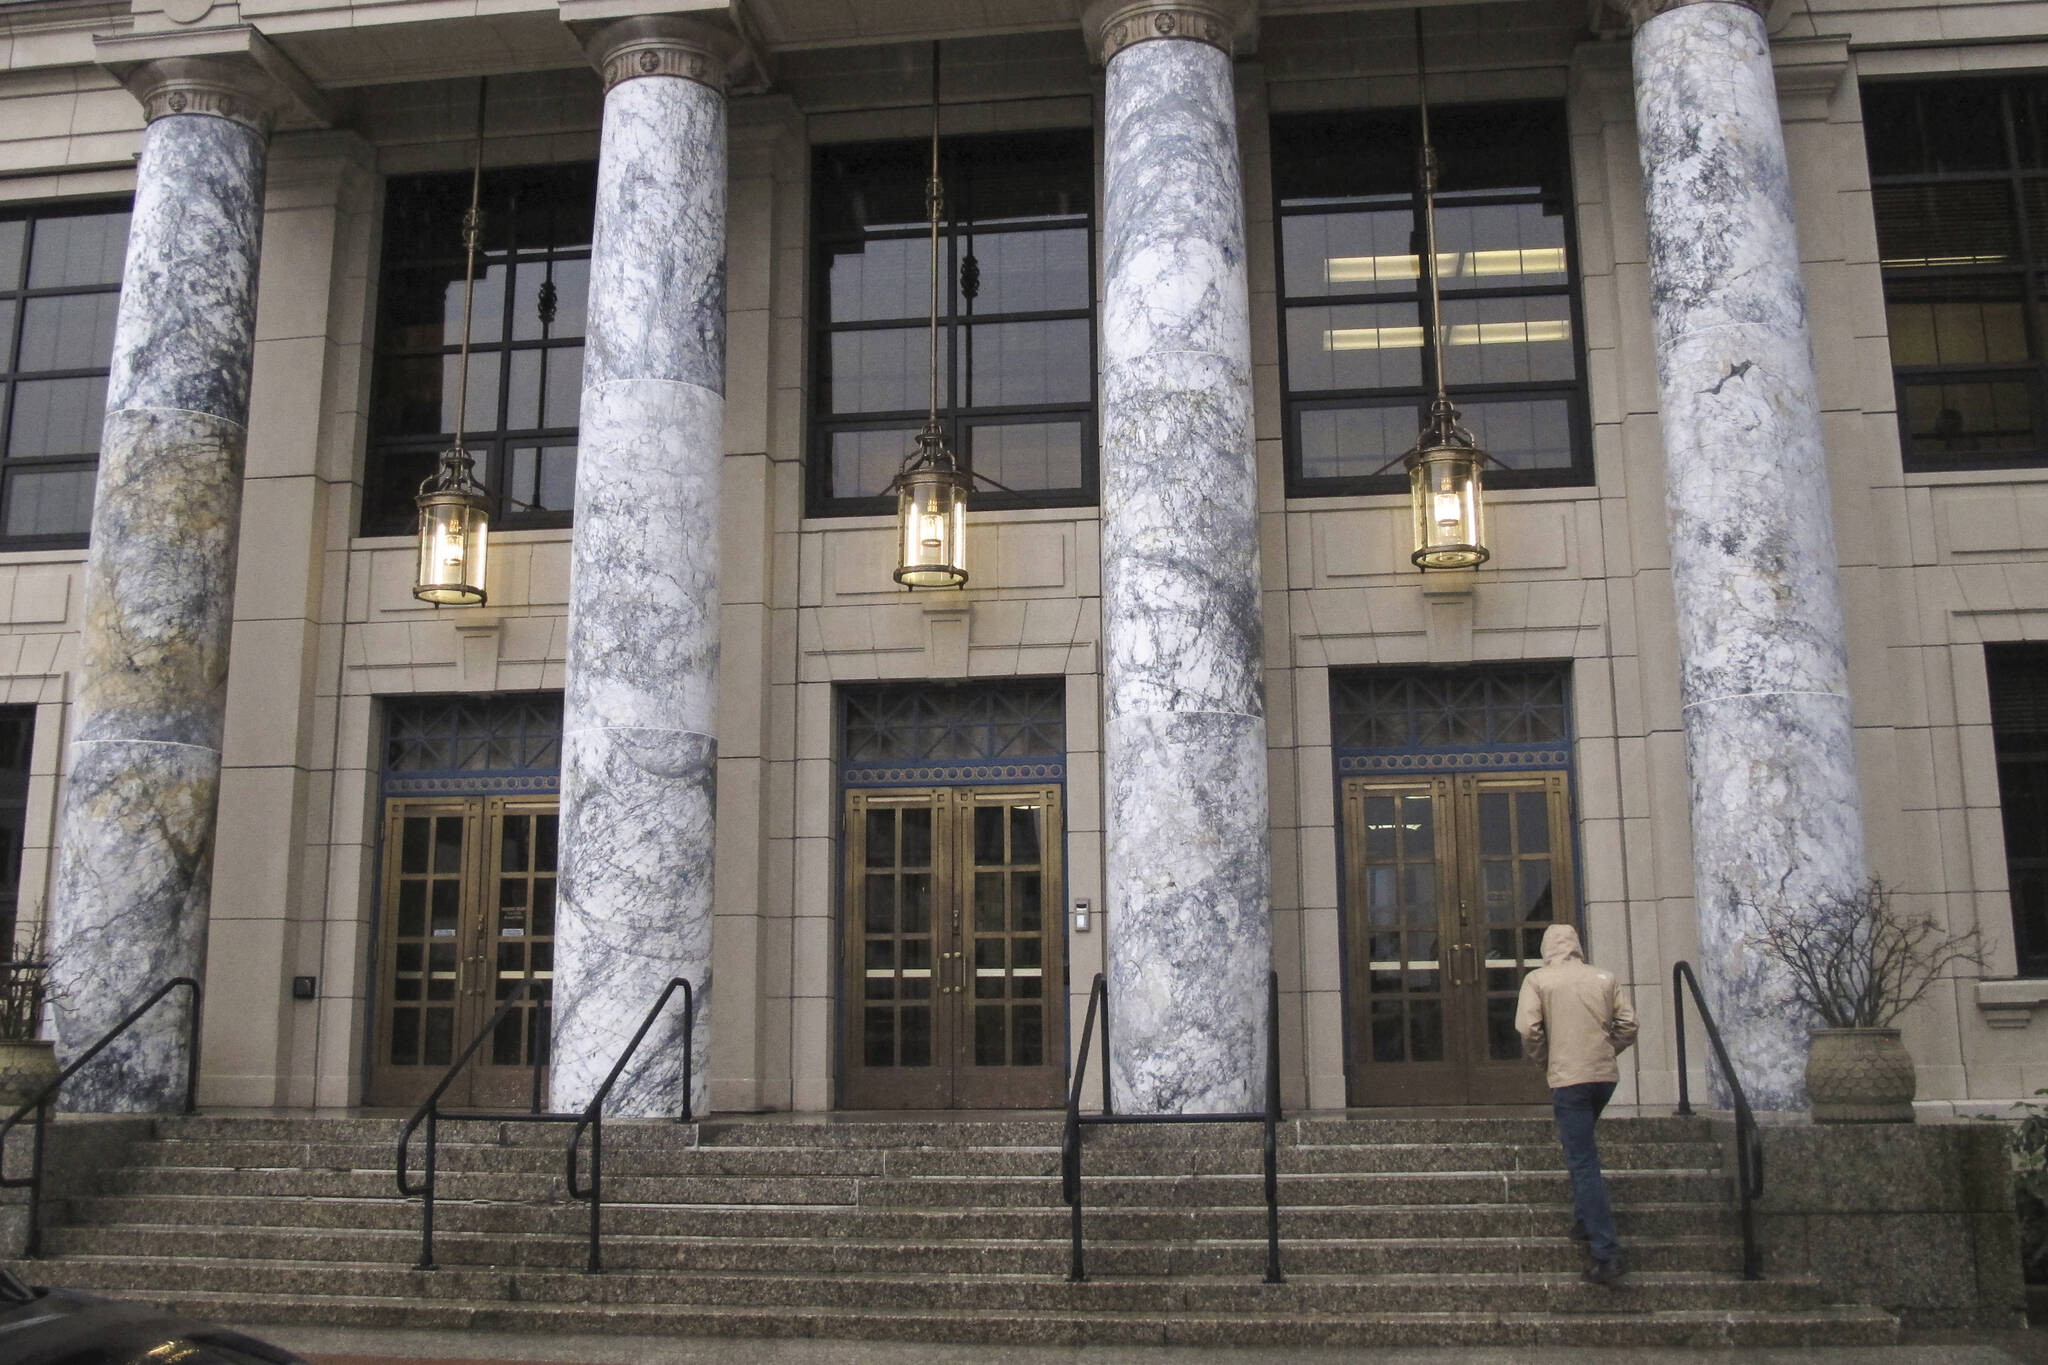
1450,882
468,912
953,977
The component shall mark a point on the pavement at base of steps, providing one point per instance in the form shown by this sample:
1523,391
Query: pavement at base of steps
347,1346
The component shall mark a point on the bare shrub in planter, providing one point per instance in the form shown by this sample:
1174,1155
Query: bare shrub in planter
1859,964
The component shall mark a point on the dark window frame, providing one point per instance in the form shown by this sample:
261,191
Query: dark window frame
1575,392
17,293
957,420
397,461
2029,269
2016,681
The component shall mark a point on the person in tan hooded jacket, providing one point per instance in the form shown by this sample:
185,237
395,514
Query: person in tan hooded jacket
1575,1019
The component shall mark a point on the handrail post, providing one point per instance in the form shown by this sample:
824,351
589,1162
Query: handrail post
1273,1275
596,1264
1749,1142
192,1050
689,1052
1107,1066
1678,1034
427,1215
35,1177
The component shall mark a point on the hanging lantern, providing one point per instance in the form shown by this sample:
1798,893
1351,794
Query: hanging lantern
455,512
1444,490
931,516
1443,466
455,521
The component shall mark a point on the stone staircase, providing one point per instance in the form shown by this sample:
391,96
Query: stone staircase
1394,1232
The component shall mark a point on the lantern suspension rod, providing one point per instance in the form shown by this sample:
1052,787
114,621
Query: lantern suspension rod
934,202
1428,177
472,230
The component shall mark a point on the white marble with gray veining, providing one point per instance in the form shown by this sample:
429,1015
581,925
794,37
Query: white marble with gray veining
135,838
1189,927
640,753
1763,656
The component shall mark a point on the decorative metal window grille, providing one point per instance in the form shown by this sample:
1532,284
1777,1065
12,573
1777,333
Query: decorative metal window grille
1453,709
2019,731
992,727
473,744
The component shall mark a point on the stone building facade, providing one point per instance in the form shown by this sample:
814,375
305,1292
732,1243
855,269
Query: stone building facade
1745,303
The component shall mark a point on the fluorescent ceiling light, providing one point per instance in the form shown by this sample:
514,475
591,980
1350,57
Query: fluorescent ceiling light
1450,265
1461,334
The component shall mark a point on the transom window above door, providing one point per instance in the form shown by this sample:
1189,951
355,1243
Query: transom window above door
1354,303
526,342
1016,317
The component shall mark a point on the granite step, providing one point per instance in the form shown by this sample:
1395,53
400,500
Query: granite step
957,1256
960,1162
1500,1292
1614,1325
555,1216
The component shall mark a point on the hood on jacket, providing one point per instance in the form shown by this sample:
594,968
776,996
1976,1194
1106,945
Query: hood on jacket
1561,944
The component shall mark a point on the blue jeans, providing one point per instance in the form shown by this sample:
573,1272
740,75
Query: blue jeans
1577,1108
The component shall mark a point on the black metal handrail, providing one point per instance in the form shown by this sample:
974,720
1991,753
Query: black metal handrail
593,1113
1070,1143
47,1097
431,1113
1749,1142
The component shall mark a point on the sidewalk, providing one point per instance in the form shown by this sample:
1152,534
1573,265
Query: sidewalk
347,1346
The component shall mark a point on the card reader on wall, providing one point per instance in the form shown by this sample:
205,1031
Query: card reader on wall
1081,920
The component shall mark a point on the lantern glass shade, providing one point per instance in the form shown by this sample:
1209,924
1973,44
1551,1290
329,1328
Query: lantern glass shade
1443,482
454,527
931,514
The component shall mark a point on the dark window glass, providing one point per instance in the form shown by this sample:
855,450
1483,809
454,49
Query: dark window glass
1354,301
526,315
2019,730
17,737
1016,318
1959,189
60,287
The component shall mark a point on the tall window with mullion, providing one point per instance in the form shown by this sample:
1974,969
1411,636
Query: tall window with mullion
526,342
1016,317
1355,304
60,286
1959,187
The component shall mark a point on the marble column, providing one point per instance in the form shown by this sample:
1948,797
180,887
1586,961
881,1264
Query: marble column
1763,658
1184,731
135,838
639,750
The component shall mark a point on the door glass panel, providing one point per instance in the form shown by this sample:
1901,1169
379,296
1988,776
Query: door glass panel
896,948
523,947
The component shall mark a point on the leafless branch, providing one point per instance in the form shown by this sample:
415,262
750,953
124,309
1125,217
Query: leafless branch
1854,960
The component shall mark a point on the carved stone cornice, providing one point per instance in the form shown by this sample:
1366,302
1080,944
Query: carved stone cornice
662,45
1113,25
220,87
1641,12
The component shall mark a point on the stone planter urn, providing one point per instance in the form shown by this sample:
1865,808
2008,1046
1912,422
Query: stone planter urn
1859,1075
26,1066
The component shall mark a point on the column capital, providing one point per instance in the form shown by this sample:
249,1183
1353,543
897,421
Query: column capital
217,86
1641,12
1113,25
661,45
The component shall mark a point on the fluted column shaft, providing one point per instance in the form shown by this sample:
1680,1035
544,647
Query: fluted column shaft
639,752
135,836
1764,661
1189,926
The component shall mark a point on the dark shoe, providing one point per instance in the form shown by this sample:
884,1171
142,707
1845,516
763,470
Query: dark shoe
1604,1272
1579,1233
